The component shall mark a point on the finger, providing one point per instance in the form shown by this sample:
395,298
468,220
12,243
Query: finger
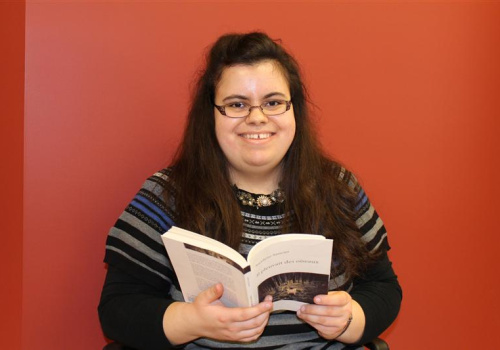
321,310
210,295
252,329
241,316
261,309
324,320
327,327
330,308
333,299
243,330
253,335
249,336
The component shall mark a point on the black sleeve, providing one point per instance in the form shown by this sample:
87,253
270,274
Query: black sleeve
379,294
131,312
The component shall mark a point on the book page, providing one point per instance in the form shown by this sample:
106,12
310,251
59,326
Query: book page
198,268
293,268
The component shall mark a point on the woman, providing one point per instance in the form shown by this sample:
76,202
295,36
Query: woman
248,168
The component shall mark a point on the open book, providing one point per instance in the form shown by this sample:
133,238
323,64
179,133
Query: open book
293,268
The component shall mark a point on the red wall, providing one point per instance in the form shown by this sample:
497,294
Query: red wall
11,170
407,96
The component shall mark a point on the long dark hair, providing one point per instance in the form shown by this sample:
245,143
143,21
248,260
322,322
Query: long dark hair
204,199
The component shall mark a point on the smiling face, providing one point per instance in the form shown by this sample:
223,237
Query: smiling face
255,145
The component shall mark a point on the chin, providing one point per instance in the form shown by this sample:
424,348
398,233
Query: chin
263,166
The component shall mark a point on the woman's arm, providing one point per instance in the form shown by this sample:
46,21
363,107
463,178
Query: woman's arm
137,315
131,311
379,294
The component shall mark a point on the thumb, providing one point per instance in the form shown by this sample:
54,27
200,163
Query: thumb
211,294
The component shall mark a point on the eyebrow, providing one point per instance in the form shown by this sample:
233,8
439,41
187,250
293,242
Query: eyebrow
242,97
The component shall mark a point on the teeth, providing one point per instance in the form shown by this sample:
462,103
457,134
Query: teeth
256,136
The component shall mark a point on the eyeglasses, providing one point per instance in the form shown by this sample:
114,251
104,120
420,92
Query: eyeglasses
242,110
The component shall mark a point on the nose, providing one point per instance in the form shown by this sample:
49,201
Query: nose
256,116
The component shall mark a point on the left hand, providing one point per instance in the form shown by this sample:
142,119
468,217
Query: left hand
329,314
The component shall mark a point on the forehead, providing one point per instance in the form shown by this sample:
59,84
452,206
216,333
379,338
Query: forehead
263,75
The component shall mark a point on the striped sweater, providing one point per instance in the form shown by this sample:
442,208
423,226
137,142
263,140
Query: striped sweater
141,283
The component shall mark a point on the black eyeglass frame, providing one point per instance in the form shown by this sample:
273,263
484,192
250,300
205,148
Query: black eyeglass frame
222,110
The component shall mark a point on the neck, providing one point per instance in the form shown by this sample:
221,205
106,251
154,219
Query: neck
258,182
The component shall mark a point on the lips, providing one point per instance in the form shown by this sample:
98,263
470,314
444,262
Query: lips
257,136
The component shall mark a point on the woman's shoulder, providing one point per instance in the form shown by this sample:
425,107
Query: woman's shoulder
342,174
162,176
159,187
160,180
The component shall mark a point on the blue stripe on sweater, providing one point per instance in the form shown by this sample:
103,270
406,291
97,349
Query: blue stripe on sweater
155,208
362,198
151,210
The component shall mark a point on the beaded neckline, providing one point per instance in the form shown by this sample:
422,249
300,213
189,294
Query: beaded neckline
259,200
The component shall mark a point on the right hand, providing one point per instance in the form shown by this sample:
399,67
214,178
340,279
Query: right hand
208,317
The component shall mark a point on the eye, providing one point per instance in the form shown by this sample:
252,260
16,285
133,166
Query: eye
237,105
273,104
